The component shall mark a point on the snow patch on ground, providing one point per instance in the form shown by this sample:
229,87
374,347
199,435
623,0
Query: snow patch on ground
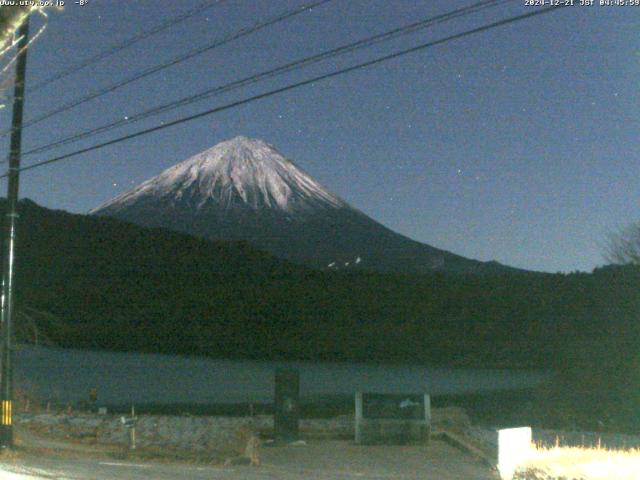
12,472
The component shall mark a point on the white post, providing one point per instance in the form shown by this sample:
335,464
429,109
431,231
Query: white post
427,409
358,417
514,449
427,418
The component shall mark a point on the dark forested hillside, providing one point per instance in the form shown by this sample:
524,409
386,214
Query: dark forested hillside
106,284
114,285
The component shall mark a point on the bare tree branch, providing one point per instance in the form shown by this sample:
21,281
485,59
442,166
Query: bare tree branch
624,246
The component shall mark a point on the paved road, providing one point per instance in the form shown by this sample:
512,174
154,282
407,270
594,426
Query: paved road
322,460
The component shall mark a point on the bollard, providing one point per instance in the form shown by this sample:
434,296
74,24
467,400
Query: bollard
133,428
514,449
130,423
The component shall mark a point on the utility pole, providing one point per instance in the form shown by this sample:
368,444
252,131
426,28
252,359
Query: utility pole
8,260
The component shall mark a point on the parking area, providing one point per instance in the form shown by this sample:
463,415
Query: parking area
344,460
319,460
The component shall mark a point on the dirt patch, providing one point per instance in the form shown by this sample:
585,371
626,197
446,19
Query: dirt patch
343,459
450,418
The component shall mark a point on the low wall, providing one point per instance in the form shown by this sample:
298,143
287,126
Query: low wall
193,433
196,433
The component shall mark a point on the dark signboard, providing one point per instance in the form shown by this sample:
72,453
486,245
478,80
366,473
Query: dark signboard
287,404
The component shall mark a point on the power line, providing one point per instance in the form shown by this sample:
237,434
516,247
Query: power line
360,44
155,69
126,44
293,86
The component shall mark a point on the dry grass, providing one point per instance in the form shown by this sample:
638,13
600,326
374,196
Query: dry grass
9,455
580,463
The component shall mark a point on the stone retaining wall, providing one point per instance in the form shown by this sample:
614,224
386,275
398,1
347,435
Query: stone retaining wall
195,432
187,432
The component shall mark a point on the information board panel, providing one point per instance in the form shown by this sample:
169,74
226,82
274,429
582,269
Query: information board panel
392,419
401,407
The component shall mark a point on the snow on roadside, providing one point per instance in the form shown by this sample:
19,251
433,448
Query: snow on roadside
13,472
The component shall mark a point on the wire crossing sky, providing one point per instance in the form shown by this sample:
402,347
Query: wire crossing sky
174,61
101,56
363,43
287,88
518,144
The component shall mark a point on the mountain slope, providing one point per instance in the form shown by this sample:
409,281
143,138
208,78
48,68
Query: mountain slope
244,189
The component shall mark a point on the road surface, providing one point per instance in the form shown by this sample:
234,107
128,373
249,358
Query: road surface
320,460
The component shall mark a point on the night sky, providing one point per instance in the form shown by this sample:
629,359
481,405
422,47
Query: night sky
519,144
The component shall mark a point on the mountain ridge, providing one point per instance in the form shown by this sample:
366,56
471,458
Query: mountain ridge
250,169
244,189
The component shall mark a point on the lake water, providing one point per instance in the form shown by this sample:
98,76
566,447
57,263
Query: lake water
64,375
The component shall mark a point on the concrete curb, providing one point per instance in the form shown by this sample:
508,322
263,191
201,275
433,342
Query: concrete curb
461,443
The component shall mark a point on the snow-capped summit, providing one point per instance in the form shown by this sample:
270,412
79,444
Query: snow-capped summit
244,189
238,173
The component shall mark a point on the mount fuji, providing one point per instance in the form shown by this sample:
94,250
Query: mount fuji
244,189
